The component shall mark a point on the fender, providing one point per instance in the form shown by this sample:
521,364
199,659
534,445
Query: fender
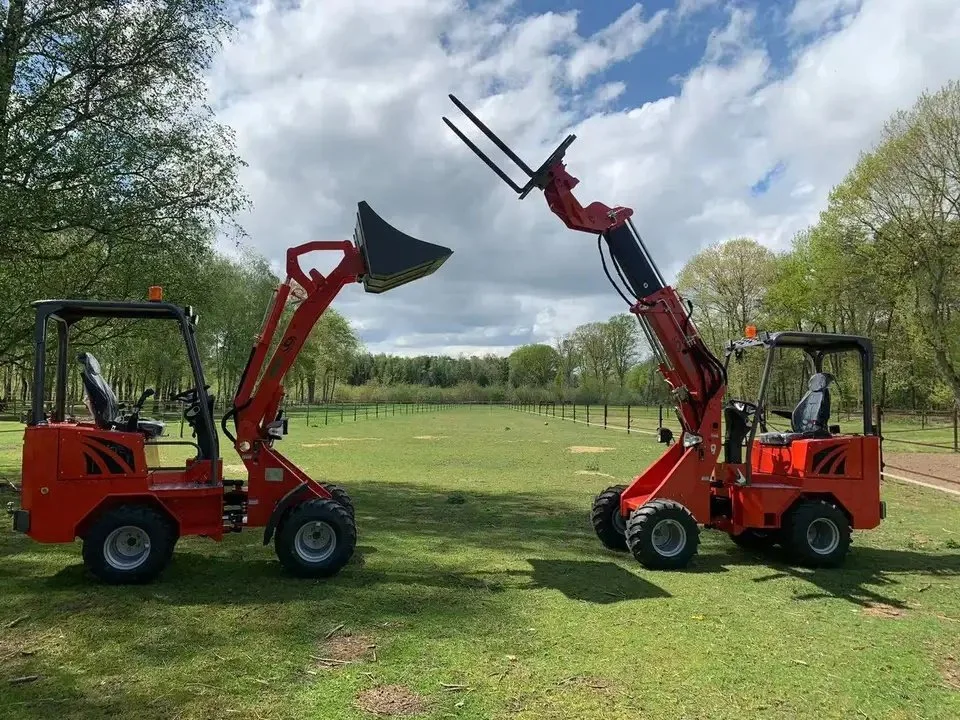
296,495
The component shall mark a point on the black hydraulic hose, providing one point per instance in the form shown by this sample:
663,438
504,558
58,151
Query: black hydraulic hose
603,262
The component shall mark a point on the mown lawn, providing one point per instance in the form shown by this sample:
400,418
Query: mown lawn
507,596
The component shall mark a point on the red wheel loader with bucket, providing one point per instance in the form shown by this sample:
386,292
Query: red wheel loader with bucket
806,488
90,479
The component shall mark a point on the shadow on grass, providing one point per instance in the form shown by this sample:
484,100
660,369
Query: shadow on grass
858,581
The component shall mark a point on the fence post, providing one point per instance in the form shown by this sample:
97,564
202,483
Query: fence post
326,414
366,411
554,409
628,419
341,412
660,421
574,410
604,416
588,413
378,410
308,414
956,428
563,411
354,412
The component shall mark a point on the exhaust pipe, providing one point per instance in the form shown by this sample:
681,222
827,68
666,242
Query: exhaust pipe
392,258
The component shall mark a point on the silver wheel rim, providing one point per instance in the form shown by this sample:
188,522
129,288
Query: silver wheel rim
315,541
669,538
823,536
126,548
619,524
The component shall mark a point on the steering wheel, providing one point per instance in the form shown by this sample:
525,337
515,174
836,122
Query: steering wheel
749,409
189,396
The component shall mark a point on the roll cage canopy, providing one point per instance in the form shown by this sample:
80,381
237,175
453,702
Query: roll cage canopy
816,346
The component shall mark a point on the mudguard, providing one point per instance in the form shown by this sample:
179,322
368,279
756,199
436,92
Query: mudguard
296,495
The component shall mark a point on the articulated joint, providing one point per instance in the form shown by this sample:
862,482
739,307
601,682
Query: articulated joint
691,440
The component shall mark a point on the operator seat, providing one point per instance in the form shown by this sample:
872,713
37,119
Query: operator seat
811,415
103,401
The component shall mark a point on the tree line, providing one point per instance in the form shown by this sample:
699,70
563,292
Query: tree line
115,175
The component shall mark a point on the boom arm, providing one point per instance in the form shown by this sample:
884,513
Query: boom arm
380,256
688,366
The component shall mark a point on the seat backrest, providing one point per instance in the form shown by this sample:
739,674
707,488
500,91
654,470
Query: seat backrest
812,413
103,402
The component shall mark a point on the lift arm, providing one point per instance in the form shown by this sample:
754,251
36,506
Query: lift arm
695,375
380,256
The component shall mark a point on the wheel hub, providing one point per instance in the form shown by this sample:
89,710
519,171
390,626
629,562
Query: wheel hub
126,548
823,536
668,538
315,541
618,521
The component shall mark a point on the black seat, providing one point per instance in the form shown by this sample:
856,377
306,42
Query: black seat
102,401
810,416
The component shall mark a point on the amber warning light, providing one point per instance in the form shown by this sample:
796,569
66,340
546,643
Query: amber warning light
155,293
751,332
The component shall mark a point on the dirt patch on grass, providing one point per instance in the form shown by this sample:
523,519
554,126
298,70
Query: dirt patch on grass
391,700
229,470
598,684
429,437
588,449
344,649
352,439
882,610
940,469
324,444
595,472
950,672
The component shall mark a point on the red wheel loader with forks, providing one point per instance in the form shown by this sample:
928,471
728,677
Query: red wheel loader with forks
90,479
805,488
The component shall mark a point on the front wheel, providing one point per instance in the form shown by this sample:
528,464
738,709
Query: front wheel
130,544
662,535
316,539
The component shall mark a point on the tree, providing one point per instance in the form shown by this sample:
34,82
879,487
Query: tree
906,195
534,365
111,167
623,339
593,343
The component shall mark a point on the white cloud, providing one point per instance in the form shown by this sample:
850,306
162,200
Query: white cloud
685,8
337,101
812,16
623,38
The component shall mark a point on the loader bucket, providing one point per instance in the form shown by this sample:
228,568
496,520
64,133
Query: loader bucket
392,258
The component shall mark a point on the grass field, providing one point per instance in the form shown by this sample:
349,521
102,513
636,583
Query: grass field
500,606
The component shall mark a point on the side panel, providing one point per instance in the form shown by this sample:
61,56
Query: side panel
844,467
71,471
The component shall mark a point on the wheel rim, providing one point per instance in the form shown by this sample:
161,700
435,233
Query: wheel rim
668,538
823,536
618,521
315,541
126,548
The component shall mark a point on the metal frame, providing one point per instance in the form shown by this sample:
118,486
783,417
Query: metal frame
66,313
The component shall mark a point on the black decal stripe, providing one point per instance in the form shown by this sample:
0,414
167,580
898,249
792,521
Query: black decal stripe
123,453
842,467
111,463
827,467
821,455
93,467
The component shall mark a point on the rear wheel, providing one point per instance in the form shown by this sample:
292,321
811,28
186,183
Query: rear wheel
817,534
129,544
608,523
662,535
316,539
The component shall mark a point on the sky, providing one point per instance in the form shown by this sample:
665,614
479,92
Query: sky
710,119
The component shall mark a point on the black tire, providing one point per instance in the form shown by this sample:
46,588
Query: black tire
341,496
336,536
817,533
129,544
652,550
753,539
608,523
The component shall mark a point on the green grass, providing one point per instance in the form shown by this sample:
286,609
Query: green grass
508,593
